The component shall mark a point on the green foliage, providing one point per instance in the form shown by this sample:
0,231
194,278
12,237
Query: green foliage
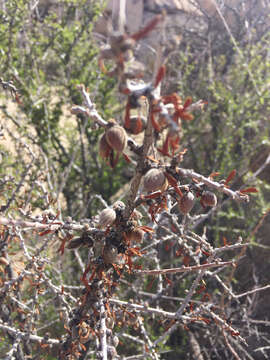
48,57
234,124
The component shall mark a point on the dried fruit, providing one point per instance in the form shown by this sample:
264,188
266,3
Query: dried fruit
154,180
104,147
136,125
116,137
208,199
186,203
106,218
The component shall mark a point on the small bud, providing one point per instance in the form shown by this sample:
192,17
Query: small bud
186,203
116,137
106,218
208,199
154,180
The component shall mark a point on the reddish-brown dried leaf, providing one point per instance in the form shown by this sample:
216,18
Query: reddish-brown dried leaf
235,333
160,75
154,195
154,123
213,174
172,181
126,158
248,190
127,116
230,177
149,27
205,253
168,280
188,101
45,232
150,285
147,229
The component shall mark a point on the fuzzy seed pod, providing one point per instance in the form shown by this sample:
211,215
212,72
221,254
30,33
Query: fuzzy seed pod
186,203
137,124
136,235
106,218
119,205
154,180
116,137
208,199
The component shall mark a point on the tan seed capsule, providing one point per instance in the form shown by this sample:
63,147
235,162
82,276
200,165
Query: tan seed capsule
186,203
116,137
104,148
106,218
136,235
208,199
154,180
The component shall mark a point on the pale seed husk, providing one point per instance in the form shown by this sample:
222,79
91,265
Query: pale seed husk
116,137
106,218
154,180
119,205
186,203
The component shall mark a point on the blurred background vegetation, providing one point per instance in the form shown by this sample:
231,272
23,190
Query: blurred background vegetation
48,47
